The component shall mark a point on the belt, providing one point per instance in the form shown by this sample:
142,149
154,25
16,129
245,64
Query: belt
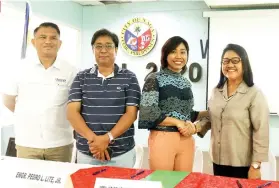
165,128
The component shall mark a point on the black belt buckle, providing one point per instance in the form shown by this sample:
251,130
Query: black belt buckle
165,128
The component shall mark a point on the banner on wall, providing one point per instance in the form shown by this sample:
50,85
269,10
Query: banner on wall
25,34
138,37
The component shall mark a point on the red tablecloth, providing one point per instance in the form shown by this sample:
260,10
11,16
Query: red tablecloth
194,180
84,178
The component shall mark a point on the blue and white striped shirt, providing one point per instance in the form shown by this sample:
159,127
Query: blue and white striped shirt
103,103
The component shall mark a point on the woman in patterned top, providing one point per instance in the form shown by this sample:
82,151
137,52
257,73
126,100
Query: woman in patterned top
166,109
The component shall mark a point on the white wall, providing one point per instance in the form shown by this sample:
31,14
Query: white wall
66,12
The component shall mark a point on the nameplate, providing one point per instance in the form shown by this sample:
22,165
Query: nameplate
20,172
121,183
38,177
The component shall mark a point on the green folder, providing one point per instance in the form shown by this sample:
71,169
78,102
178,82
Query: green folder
169,179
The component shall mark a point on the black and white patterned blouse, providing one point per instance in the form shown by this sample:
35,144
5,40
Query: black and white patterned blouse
166,94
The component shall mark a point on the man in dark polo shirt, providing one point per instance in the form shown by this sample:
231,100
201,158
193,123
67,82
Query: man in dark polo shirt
103,105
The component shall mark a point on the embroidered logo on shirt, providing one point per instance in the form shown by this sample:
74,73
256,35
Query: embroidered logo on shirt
60,80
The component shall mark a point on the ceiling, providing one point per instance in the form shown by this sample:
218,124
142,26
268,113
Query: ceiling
210,3
107,2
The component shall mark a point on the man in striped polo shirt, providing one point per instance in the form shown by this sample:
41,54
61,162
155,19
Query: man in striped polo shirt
103,105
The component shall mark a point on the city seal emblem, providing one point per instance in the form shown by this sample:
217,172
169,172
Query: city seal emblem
138,37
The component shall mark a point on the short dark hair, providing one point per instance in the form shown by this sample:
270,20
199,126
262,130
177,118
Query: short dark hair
105,32
170,45
247,71
48,24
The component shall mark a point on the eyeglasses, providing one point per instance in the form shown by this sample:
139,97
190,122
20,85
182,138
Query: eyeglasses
234,60
108,47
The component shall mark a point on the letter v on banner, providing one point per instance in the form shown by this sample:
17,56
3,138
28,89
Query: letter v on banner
25,34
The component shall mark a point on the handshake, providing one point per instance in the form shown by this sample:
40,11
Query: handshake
187,128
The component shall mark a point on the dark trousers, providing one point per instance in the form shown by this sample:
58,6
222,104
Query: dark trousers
230,171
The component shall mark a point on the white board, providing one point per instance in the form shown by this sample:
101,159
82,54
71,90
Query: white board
258,33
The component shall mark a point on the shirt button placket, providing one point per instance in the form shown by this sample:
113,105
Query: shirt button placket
220,134
41,126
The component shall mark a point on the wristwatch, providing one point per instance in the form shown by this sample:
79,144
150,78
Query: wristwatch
256,165
110,137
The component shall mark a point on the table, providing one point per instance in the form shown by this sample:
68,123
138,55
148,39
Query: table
83,178
75,174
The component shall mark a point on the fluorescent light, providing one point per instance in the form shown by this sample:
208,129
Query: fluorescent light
239,2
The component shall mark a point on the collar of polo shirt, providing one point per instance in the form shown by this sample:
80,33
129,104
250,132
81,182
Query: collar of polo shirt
108,76
56,64
94,70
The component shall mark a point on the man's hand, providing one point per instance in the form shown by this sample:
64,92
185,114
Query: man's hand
188,129
9,101
102,156
107,155
98,146
254,173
